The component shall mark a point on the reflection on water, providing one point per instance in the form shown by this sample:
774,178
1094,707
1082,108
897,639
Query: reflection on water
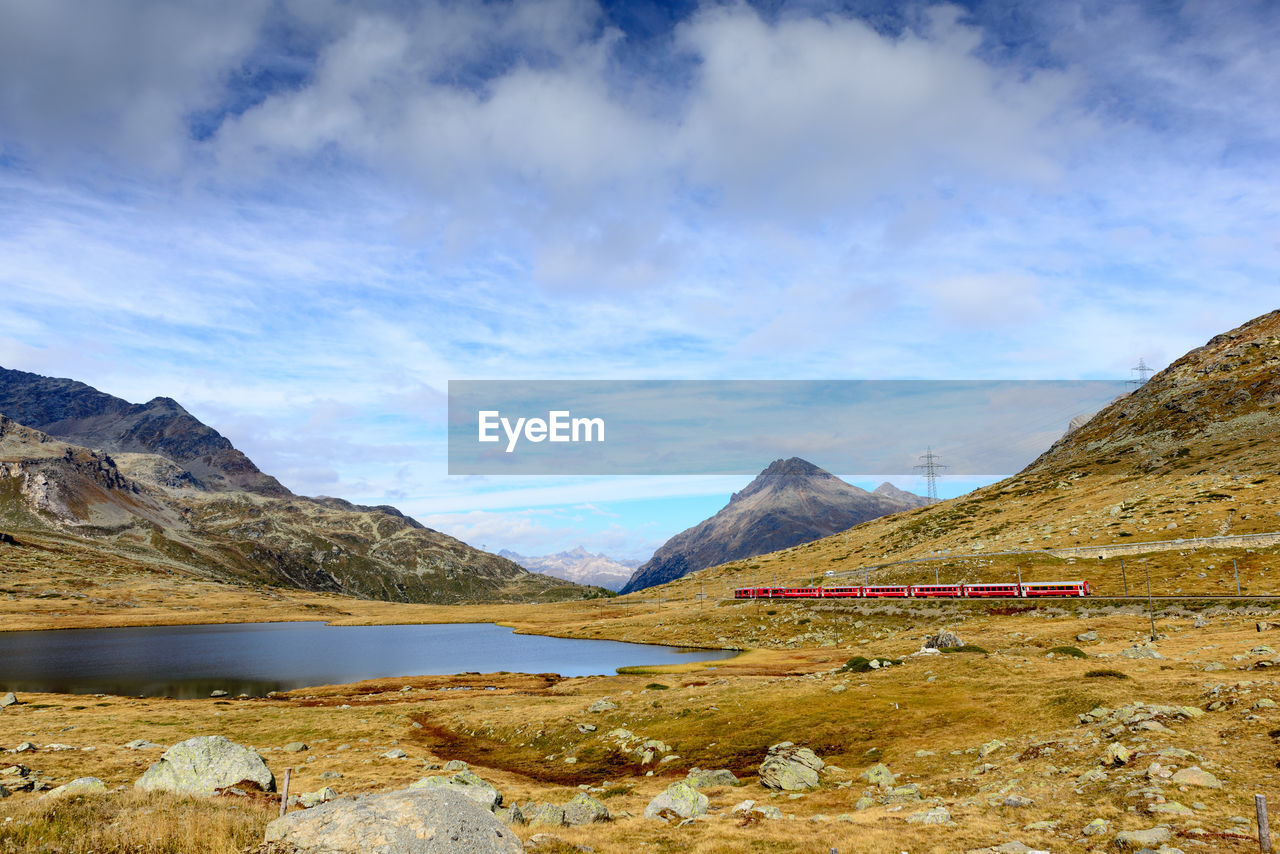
254,658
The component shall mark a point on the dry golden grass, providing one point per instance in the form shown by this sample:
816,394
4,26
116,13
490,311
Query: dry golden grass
128,822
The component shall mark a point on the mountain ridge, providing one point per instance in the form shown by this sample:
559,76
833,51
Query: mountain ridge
791,501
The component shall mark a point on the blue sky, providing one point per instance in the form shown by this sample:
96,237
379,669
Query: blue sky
301,219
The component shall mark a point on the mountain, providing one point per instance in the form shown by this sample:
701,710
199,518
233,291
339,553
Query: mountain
790,502
82,415
579,566
164,490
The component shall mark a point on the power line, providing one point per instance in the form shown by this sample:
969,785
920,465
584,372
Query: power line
1143,370
930,467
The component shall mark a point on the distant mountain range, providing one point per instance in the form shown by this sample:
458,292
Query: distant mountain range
151,484
579,566
790,502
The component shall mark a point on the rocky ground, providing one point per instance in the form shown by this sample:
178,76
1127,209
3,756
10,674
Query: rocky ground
1054,729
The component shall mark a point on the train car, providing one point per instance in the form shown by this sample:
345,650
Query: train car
897,591
936,591
979,591
842,592
752,593
1055,588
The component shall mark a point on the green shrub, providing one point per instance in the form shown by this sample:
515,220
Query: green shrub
969,647
862,664
1069,651
656,686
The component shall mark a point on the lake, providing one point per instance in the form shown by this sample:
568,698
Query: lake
254,658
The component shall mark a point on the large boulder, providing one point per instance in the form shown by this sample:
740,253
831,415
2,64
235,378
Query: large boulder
790,768
466,783
416,821
679,799
703,778
945,639
204,764
584,809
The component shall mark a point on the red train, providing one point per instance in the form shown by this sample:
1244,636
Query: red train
1011,590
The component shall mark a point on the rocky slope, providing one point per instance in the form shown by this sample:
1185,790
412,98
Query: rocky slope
790,502
198,506
82,415
579,566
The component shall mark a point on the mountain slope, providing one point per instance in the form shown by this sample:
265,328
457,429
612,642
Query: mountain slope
1192,453
790,502
579,566
82,415
183,514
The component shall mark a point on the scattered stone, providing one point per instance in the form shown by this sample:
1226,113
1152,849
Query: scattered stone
706,779
1141,652
907,794
537,814
680,799
990,747
945,639
1136,840
142,744
1169,808
331,775
1096,827
395,753
454,765
1018,801
1093,775
584,809
313,799
1116,755
789,768
204,764
551,843
1087,637
1264,703
1214,666
586,728
4,792
937,815
602,705
1195,776
767,811
879,775
9,699
25,747
510,816
1264,626
466,783
79,786
218,693
423,821
295,747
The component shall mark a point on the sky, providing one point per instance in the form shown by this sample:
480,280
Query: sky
303,218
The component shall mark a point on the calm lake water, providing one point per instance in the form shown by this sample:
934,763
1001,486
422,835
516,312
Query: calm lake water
254,658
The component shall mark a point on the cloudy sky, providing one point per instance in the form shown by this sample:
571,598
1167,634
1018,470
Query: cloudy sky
302,218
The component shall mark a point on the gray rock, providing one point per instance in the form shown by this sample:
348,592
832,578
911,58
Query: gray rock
602,705
395,753
4,792
142,744
1135,840
79,786
311,799
990,747
1195,776
790,768
550,842
543,814
456,765
1140,652
331,775
767,811
466,783
701,778
680,799
937,815
218,693
510,816
584,809
205,763
1096,827
1087,637
25,747
945,639
1018,801
879,775
295,747
9,699
1116,755
586,728
422,821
